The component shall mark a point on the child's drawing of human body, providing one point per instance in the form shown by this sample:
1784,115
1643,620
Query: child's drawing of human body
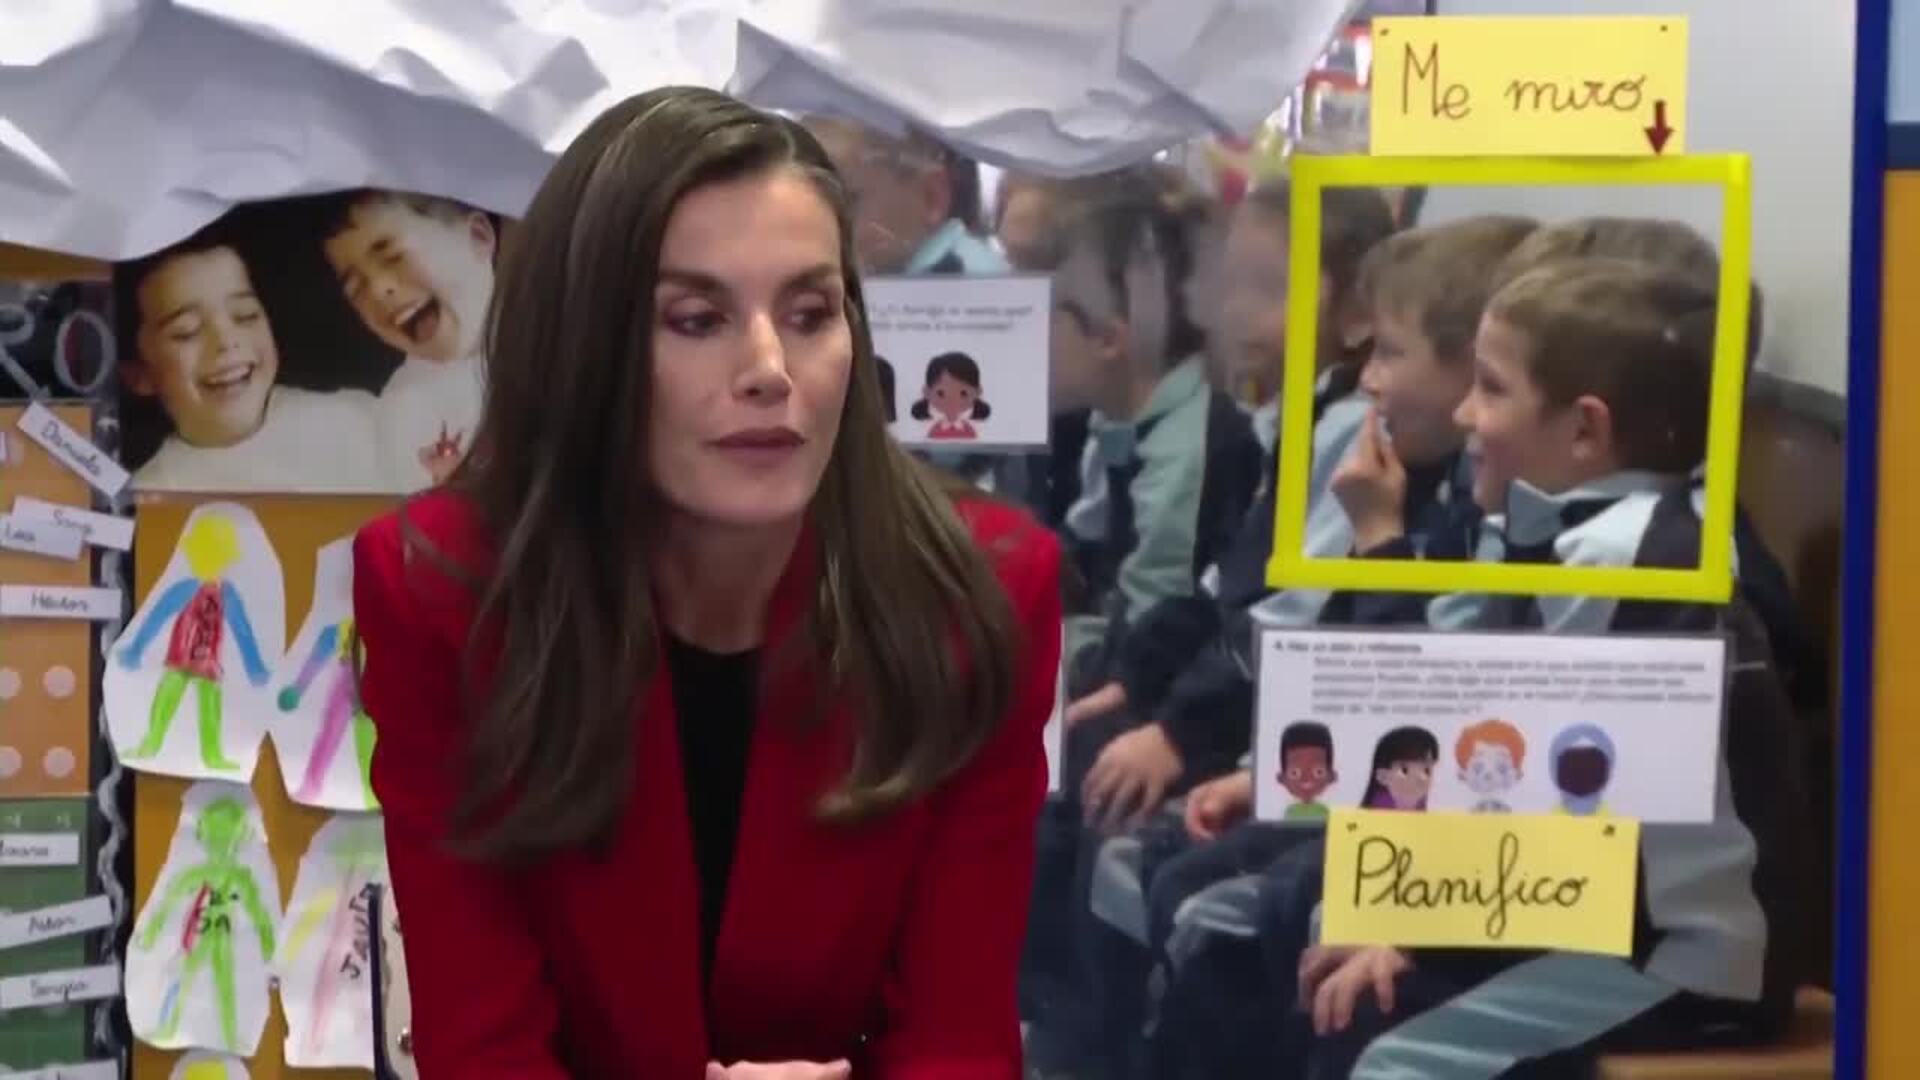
318,703
220,608
197,968
325,959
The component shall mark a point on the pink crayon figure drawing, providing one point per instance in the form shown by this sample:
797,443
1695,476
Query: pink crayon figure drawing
332,658
222,891
953,394
326,946
196,613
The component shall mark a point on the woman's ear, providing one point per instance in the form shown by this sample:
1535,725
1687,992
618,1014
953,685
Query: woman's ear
480,231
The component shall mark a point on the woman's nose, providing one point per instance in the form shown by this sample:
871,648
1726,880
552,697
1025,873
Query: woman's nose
766,373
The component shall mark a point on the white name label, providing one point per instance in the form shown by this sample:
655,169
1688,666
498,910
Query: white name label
58,921
39,537
100,530
73,450
54,602
59,987
91,1070
39,849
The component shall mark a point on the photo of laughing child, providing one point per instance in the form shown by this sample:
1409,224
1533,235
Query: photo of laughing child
198,343
418,271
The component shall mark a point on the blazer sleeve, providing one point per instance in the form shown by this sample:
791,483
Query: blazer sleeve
950,1000
481,1007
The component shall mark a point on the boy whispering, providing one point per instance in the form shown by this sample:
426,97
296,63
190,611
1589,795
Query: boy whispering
418,271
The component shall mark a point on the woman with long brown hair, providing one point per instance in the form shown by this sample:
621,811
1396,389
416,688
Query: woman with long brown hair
709,722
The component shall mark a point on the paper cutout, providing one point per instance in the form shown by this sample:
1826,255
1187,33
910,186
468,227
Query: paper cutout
39,849
952,345
1480,881
58,921
197,963
100,530
1526,723
325,959
205,1066
323,738
59,602
37,537
1473,86
45,988
74,450
212,625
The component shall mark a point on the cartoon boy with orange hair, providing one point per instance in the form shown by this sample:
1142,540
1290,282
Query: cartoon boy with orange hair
1490,753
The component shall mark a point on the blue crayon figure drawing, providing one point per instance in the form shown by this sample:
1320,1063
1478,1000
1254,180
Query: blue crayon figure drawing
188,687
196,613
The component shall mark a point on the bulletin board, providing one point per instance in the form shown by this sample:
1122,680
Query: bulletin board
297,526
46,707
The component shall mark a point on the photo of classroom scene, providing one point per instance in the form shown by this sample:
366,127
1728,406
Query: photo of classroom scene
328,344
1500,374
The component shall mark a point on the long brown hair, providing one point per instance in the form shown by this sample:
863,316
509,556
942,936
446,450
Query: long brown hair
907,623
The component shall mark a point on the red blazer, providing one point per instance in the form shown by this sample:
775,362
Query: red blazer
894,945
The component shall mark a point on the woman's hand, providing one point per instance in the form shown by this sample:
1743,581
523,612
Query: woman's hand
1108,699
1219,804
783,1070
1371,485
1353,973
1130,779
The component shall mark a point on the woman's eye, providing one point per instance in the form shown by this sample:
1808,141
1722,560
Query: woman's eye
695,324
810,319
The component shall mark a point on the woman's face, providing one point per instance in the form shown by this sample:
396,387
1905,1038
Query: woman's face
205,348
950,397
751,350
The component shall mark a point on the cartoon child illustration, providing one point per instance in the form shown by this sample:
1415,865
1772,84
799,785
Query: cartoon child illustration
1582,767
1490,753
203,349
886,388
217,885
1402,775
418,271
1306,768
333,654
197,611
953,391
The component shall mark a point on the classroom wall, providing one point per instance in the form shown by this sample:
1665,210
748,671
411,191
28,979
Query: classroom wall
1770,78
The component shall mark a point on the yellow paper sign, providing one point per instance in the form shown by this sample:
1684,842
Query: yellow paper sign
1497,881
1473,86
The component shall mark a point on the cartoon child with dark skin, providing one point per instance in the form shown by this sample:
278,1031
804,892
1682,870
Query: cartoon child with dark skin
1583,759
1490,753
1306,769
952,391
196,612
206,935
1403,762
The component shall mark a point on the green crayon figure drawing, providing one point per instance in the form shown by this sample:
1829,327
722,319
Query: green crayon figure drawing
196,612
219,891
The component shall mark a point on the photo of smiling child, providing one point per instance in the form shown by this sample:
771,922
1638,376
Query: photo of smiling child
198,341
418,271
953,394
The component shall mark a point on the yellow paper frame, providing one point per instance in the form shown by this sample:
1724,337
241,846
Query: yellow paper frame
1712,580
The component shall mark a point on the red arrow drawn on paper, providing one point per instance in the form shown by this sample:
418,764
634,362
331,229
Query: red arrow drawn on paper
1659,133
